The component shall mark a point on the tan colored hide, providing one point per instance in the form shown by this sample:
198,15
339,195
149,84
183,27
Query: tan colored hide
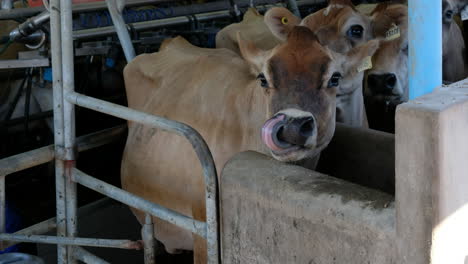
216,86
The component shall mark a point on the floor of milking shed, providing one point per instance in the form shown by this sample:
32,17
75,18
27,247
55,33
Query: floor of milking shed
112,220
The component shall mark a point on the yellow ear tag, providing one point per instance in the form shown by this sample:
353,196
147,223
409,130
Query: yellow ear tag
366,64
393,33
284,20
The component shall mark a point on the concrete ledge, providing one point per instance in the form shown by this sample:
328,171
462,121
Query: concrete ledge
278,213
432,177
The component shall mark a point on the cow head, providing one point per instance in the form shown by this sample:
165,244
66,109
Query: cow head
339,27
299,80
388,79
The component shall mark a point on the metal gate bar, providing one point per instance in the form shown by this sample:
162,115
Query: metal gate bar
43,155
134,201
51,224
76,241
86,257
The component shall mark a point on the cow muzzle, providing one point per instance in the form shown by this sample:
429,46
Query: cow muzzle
284,134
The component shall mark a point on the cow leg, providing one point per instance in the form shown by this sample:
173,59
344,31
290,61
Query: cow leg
199,250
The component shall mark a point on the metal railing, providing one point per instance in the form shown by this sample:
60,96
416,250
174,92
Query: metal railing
67,176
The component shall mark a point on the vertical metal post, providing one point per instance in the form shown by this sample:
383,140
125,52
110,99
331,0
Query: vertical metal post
68,122
121,28
7,4
56,38
425,46
147,235
293,6
2,206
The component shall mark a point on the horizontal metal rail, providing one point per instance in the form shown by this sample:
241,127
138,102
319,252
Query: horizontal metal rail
74,241
134,201
83,7
86,257
139,26
43,155
176,20
50,224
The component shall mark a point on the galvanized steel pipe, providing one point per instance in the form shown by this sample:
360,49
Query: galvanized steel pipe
74,241
56,50
86,257
2,207
425,46
7,4
51,224
294,8
198,144
139,203
147,235
121,29
68,159
37,229
43,155
173,21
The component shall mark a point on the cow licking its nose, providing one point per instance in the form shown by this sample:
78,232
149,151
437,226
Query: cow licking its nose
382,83
283,133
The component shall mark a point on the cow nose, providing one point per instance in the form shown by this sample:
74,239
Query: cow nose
382,83
296,131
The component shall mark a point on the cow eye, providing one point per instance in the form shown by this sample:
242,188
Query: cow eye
405,49
355,31
449,14
263,80
334,80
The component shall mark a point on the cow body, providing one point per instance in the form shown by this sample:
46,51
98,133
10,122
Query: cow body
340,27
290,90
226,116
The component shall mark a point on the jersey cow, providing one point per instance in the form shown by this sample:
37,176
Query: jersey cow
280,102
388,79
340,27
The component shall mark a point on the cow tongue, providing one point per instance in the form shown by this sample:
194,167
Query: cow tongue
268,130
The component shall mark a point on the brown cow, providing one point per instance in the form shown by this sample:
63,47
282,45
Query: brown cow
339,26
388,79
287,93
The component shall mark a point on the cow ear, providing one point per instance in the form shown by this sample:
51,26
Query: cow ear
251,14
253,55
281,21
326,35
360,58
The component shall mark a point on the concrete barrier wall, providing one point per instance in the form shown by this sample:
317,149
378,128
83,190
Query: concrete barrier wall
278,213
432,177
